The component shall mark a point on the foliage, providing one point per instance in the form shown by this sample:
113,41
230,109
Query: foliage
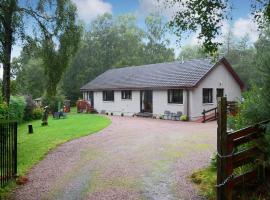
16,108
37,113
207,16
203,16
156,49
52,21
31,111
256,107
213,161
183,118
206,180
55,103
3,110
114,42
31,79
56,56
191,52
28,111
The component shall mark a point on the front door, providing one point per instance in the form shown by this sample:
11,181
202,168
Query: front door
91,98
147,101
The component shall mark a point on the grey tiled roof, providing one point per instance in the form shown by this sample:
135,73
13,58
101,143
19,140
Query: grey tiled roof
161,75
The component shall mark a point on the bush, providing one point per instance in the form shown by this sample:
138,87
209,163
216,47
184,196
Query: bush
3,110
16,108
29,108
54,103
213,161
37,113
254,109
183,118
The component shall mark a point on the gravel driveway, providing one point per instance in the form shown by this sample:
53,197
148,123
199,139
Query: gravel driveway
133,158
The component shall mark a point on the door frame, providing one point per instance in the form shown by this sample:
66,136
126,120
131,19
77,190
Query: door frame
149,99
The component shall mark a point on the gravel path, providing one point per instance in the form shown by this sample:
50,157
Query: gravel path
133,158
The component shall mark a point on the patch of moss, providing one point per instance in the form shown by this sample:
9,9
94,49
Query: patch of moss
206,180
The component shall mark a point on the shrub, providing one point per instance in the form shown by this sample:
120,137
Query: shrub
183,118
213,160
16,108
29,108
55,103
254,109
3,110
37,113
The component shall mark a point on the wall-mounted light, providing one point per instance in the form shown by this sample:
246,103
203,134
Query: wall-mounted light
220,83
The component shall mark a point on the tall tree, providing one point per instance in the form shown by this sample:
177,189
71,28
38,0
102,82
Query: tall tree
59,46
156,49
46,19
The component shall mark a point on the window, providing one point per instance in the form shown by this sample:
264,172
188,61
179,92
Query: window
175,96
207,95
220,92
108,95
126,94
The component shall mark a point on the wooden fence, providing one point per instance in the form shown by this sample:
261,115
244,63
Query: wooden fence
8,151
229,158
212,114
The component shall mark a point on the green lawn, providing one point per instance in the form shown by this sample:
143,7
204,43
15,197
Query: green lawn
33,147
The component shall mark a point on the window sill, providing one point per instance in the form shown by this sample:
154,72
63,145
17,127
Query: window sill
108,101
126,99
206,104
180,104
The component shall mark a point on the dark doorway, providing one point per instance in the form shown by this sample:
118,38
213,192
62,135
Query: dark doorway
147,101
91,98
220,92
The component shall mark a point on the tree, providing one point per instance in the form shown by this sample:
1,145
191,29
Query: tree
56,56
157,49
31,79
45,24
191,52
111,42
206,17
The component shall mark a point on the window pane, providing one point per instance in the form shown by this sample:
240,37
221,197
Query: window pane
175,96
126,94
207,95
108,95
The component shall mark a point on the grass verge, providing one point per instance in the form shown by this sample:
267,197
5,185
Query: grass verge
206,181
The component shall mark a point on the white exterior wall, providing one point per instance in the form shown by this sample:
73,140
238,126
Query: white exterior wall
220,77
160,103
126,106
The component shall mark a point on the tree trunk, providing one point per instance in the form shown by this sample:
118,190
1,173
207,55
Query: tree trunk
6,82
7,41
7,62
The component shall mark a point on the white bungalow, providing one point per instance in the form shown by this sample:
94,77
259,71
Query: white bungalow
189,86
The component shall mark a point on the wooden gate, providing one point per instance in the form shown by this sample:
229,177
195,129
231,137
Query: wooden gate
8,151
229,158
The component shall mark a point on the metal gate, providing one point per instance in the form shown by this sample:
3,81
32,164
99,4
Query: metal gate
8,151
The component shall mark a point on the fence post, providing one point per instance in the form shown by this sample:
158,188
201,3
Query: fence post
223,192
203,115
